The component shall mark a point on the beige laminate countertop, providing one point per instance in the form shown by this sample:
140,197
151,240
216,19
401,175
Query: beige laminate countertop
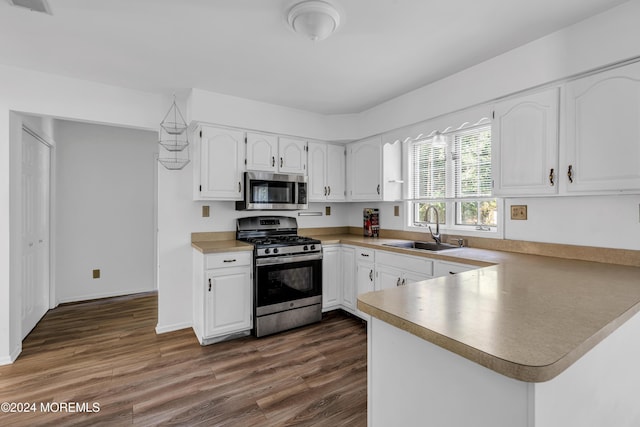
527,317
215,246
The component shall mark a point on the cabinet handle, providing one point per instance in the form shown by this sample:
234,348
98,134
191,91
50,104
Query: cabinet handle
570,173
364,254
398,282
371,275
404,282
451,272
551,177
239,187
325,191
209,285
273,161
329,192
229,260
281,162
378,189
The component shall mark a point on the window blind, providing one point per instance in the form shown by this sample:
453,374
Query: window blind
472,162
459,170
428,170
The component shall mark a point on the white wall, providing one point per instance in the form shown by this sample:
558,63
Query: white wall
105,207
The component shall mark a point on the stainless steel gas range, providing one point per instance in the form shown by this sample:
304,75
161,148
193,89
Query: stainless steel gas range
287,273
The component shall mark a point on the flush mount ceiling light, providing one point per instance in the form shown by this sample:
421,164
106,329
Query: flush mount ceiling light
314,19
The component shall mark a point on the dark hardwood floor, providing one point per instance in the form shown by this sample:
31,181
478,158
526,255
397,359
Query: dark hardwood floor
107,352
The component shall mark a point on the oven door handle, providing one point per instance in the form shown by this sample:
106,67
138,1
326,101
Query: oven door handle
287,259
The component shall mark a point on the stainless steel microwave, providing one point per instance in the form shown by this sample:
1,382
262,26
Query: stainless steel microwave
273,191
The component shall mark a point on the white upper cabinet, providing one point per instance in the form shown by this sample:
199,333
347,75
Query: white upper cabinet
374,170
524,137
262,152
326,172
272,154
603,132
365,170
218,170
292,155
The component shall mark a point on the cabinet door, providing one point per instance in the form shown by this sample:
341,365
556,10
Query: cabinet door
221,163
317,170
387,277
348,278
364,282
603,132
365,164
292,155
411,277
330,277
227,301
262,152
335,172
524,153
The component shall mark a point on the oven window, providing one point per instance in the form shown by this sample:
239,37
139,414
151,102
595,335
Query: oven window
272,192
287,282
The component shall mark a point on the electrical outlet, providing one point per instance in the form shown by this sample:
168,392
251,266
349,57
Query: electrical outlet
519,212
396,210
96,274
327,210
205,211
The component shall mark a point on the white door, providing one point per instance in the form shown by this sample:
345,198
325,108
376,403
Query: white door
35,230
228,301
336,170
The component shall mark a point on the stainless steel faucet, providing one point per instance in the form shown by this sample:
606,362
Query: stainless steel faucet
436,235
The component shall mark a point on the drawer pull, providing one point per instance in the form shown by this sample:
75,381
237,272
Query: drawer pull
451,272
570,174
209,285
364,254
229,260
398,282
404,282
551,177
371,275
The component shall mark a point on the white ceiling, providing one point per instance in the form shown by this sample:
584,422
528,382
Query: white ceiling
383,48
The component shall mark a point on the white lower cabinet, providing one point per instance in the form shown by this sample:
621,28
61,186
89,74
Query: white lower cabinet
348,257
222,296
394,269
364,275
331,292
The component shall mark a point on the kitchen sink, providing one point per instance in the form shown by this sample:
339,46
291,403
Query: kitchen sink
425,246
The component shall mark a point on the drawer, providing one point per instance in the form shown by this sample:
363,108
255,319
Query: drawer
445,268
227,259
424,266
365,254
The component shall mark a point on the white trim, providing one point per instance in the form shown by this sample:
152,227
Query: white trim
171,328
8,360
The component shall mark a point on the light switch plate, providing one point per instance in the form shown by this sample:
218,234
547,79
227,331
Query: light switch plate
519,212
205,211
327,210
396,210
96,274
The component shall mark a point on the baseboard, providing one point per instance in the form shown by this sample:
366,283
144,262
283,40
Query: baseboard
83,298
170,328
8,360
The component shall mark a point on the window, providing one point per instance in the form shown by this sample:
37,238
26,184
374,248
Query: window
452,172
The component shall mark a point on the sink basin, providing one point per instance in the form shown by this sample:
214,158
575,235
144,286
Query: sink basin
425,246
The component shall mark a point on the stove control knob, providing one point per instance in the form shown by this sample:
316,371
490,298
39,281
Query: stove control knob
275,250
267,251
305,248
313,247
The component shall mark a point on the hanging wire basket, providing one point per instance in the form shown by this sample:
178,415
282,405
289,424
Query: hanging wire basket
174,144
174,164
